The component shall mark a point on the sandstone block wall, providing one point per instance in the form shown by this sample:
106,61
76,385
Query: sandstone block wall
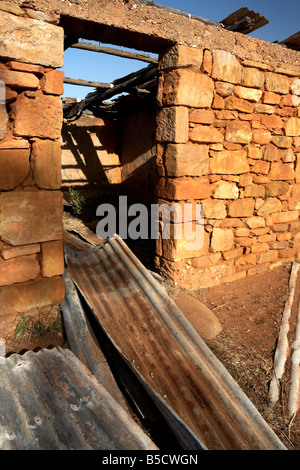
31,252
228,136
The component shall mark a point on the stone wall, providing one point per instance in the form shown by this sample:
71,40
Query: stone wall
31,249
228,133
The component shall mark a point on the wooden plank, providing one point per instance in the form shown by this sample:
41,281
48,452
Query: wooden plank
80,82
111,51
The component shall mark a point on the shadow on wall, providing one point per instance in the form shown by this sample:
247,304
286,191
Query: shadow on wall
138,155
90,152
97,152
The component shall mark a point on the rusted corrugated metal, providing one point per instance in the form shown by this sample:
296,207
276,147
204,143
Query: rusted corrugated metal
203,404
50,401
82,341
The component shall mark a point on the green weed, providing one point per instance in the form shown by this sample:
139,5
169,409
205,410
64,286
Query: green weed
77,201
38,326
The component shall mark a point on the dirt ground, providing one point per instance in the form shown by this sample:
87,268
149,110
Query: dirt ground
250,311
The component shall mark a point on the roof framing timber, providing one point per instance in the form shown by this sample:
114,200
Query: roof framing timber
80,82
112,51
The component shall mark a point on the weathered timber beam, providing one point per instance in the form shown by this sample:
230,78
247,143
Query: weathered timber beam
239,25
80,82
111,51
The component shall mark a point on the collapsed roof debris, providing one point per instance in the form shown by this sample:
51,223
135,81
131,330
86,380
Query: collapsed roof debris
144,78
244,21
198,398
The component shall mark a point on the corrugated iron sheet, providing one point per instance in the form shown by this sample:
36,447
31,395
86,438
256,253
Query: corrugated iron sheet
50,401
82,341
198,397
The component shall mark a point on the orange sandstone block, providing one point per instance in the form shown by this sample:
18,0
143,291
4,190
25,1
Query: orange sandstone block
181,56
46,164
239,104
238,132
185,87
261,136
201,116
281,171
16,79
173,125
241,208
232,254
177,189
19,269
277,83
292,127
186,159
229,162
272,121
282,217
205,134
32,294
52,258
222,239
53,82
270,97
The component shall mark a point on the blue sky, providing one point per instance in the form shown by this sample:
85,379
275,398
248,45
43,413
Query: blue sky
283,16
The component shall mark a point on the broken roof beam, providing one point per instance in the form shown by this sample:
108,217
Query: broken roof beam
112,51
292,42
80,82
244,21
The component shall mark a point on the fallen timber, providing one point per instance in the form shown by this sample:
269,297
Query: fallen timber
203,405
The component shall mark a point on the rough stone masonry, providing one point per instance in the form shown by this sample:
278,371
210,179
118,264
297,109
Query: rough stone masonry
229,137
31,248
